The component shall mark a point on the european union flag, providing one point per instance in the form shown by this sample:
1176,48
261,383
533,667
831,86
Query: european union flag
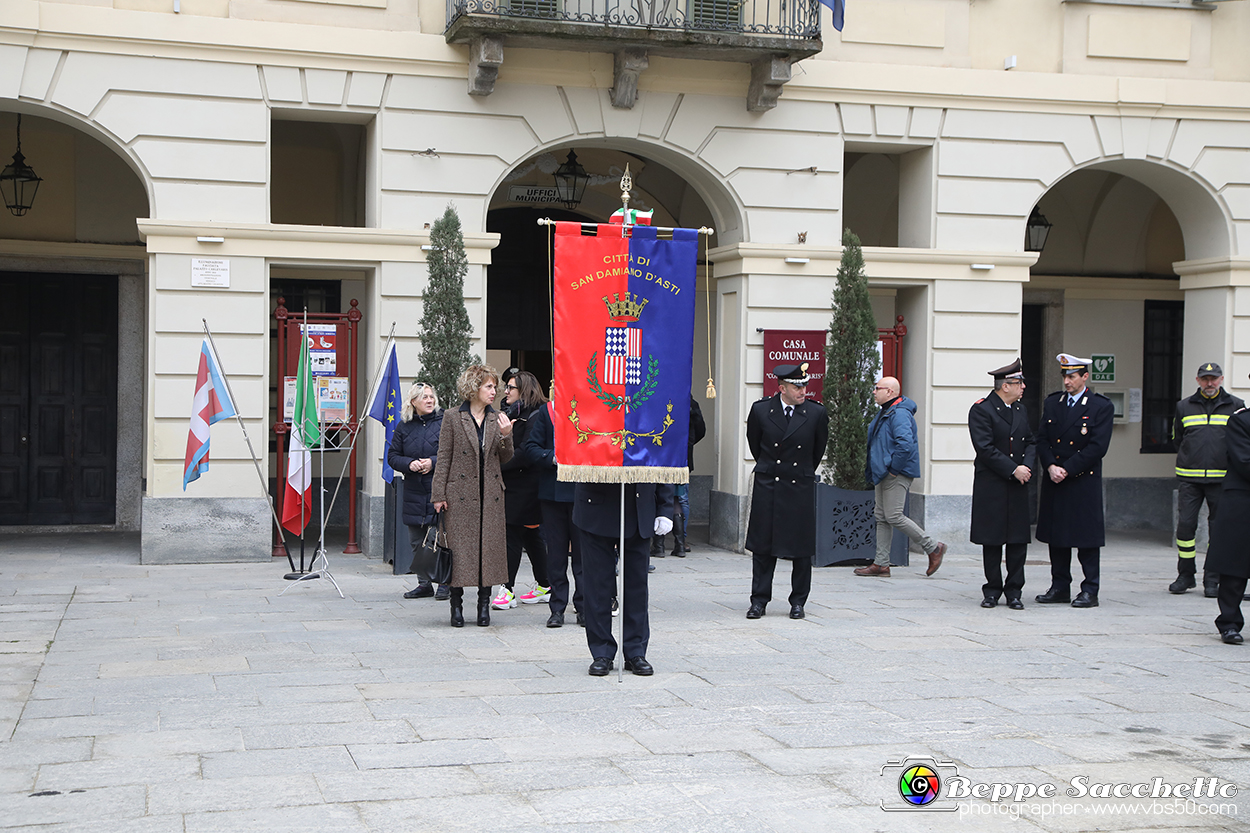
387,405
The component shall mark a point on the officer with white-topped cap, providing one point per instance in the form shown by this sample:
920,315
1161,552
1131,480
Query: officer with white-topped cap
1073,437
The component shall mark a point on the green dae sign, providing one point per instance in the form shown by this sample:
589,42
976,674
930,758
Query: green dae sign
1102,368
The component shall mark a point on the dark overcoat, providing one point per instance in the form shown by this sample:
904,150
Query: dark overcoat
1228,552
1077,438
787,454
1002,440
520,477
597,508
475,514
413,440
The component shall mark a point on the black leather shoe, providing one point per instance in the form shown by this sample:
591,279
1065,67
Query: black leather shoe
600,667
1184,581
1053,597
555,620
1231,637
421,591
1210,585
442,594
1015,604
755,611
989,601
457,616
639,666
679,553
796,612
1084,599
483,613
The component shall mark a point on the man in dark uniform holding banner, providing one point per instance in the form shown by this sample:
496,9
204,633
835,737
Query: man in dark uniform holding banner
787,434
597,515
1005,454
1075,434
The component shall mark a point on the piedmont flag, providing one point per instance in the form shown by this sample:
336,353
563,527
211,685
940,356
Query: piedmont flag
210,404
838,7
385,406
624,345
305,433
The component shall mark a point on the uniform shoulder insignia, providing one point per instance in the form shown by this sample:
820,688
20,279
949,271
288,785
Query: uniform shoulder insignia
1056,393
1099,395
979,401
1239,410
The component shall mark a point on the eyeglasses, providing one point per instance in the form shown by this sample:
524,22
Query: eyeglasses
510,386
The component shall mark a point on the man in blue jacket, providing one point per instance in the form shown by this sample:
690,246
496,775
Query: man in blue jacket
893,463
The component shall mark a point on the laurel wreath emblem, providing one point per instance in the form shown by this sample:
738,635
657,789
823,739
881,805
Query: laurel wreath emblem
614,402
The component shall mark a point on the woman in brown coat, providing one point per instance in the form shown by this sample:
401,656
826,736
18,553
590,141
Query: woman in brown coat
474,441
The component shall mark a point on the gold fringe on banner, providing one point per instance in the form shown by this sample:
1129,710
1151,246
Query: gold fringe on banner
622,474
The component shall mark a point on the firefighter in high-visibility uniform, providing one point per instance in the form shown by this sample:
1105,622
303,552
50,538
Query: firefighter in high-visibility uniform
1200,464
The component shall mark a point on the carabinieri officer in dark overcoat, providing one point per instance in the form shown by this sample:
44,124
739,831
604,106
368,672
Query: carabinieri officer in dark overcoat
1005,455
787,434
1074,436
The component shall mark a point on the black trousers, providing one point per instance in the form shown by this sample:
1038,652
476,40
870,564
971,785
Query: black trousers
1061,568
599,578
563,546
532,539
762,569
1232,588
1189,497
992,556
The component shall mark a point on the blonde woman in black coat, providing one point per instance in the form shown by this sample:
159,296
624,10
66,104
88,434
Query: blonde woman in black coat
413,453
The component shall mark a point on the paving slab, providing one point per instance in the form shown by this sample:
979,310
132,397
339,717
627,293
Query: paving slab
195,699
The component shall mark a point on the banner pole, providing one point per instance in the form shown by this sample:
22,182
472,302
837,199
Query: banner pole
255,462
620,594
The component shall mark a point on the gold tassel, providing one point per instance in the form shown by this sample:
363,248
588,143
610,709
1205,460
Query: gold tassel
711,389
622,474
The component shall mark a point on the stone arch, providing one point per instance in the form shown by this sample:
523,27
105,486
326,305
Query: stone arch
67,156
1203,219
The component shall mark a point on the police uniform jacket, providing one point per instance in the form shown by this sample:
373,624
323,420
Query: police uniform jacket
1199,431
1076,438
787,454
1003,440
1228,552
597,508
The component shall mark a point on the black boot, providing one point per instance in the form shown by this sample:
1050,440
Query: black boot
1210,584
483,606
1185,572
657,546
457,607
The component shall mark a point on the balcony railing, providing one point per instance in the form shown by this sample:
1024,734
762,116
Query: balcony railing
798,19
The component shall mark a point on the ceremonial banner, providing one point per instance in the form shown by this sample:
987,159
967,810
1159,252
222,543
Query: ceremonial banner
624,346
210,405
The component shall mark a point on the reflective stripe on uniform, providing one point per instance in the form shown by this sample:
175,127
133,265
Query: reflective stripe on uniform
1197,419
1201,473
1219,419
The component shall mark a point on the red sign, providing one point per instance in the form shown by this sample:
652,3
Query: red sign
795,347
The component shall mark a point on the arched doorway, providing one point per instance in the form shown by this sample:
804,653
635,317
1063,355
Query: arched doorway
71,334
1105,287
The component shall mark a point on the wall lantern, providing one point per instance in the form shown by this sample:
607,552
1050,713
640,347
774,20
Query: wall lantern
571,179
1036,231
18,182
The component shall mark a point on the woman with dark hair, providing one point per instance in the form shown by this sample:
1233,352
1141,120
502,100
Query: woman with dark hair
474,442
414,453
523,397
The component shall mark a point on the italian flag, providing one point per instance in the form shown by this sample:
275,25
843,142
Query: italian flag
305,434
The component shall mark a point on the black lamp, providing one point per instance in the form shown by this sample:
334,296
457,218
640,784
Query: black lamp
571,179
1036,231
18,182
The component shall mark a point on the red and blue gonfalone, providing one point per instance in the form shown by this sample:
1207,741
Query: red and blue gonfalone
624,346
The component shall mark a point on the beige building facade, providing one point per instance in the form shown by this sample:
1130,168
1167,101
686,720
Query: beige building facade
310,144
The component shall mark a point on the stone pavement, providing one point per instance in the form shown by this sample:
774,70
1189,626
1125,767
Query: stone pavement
193,699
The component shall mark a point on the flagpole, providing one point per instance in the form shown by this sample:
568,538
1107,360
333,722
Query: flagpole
545,221
255,462
373,391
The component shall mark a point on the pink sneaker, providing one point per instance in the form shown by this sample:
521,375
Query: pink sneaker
537,595
504,600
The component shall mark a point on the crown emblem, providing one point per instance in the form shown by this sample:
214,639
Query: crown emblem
624,308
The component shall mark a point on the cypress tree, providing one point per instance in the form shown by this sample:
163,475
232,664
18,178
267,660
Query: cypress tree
850,371
445,327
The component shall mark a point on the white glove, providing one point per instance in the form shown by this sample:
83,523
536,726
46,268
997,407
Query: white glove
663,526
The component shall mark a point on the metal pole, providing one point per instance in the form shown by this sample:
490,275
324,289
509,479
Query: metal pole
264,485
620,594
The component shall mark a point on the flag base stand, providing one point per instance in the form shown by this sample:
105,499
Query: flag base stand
312,575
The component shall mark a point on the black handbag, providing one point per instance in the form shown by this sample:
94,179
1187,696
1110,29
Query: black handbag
434,557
